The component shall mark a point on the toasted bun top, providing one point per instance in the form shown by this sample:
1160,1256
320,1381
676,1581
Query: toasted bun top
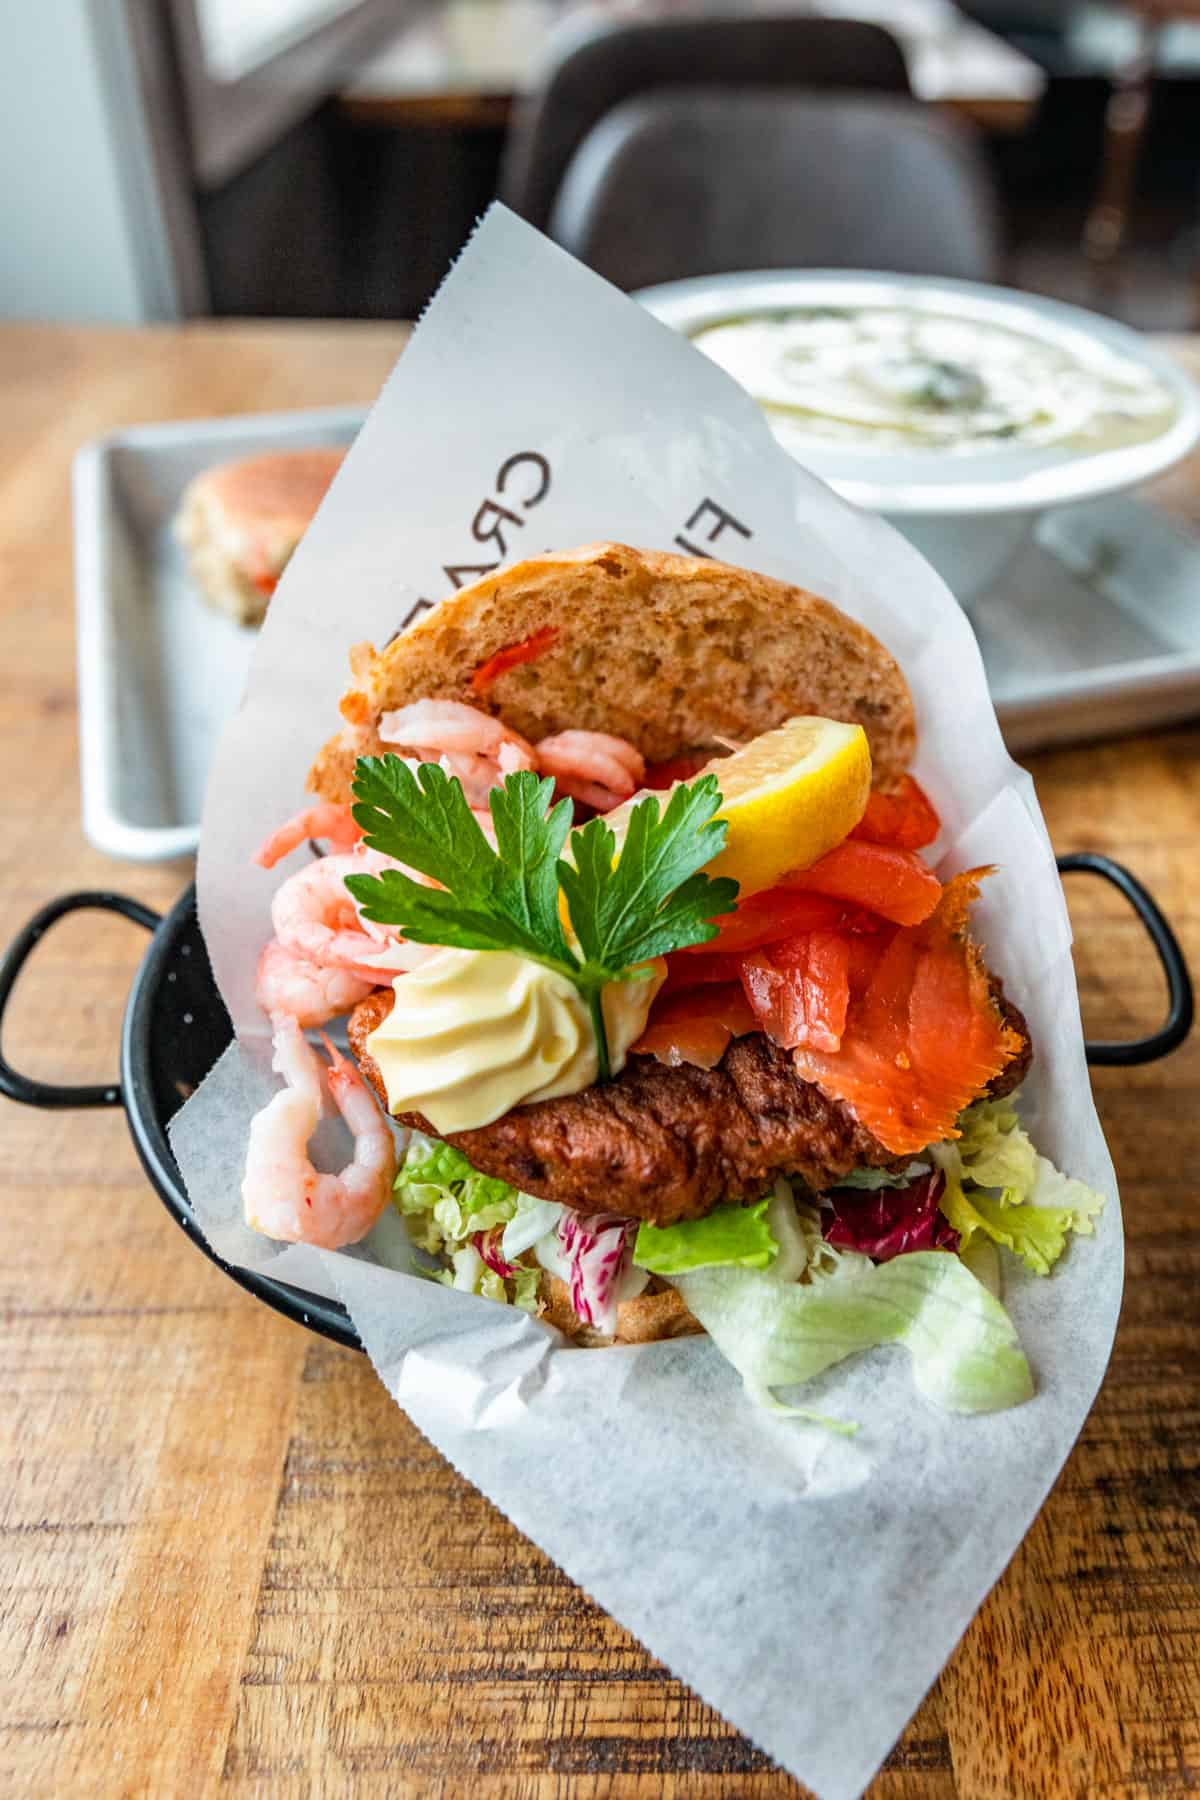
673,653
276,493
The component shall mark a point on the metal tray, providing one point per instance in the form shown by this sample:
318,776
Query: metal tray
1092,630
159,670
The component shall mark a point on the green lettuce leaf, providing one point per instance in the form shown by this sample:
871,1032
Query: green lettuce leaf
738,1235
954,1204
430,1163
965,1352
524,1285
983,1259
1054,1189
999,1186
995,1148
1037,1234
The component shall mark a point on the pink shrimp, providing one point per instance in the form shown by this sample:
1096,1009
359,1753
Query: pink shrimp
284,1197
311,993
317,920
592,766
314,914
336,824
468,743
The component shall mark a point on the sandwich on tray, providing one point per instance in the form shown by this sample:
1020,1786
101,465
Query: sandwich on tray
625,899
241,521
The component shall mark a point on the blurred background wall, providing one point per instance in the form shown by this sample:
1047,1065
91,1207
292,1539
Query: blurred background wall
82,234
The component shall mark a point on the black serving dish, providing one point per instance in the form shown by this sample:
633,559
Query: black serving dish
176,1027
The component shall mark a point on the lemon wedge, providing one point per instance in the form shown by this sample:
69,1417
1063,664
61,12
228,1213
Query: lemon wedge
788,797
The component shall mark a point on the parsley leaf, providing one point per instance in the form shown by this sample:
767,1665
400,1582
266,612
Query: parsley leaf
487,901
529,841
651,898
625,908
423,820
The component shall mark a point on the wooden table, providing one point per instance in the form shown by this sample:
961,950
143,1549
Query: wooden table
464,64
230,1564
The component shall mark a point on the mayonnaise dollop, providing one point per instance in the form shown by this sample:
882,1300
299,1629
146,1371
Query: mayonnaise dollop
474,1033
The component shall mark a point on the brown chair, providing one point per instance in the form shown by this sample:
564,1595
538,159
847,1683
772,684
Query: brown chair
614,63
701,183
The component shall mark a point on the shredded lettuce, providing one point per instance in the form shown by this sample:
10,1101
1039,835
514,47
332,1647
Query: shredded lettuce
531,1221
995,1148
729,1235
444,1202
470,1275
1038,1236
444,1199
805,1253
966,1354
998,1185
429,1160
883,1178
524,1286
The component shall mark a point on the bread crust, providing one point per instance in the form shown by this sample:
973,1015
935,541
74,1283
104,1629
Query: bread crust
673,653
660,1311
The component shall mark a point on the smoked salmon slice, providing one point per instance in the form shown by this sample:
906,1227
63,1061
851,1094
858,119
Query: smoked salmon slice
765,918
904,818
697,1026
894,883
800,990
924,1038
685,971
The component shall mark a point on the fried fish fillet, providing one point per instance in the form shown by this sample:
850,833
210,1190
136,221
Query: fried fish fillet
667,1144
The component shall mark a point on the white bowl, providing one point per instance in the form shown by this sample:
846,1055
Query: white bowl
967,511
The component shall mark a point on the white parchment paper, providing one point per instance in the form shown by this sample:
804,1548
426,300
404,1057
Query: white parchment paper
807,1586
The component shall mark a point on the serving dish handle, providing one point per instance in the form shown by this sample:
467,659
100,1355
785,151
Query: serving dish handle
1180,1003
1125,1053
25,1087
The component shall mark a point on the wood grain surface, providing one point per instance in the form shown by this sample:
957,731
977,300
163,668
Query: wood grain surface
229,1564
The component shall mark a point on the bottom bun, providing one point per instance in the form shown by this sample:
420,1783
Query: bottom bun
657,1312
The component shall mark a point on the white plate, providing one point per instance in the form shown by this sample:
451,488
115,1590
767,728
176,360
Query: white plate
159,670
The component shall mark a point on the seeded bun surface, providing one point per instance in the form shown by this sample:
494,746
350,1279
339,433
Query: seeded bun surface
674,653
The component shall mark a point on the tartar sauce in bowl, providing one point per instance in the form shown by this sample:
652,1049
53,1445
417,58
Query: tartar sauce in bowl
957,410
897,377
926,398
